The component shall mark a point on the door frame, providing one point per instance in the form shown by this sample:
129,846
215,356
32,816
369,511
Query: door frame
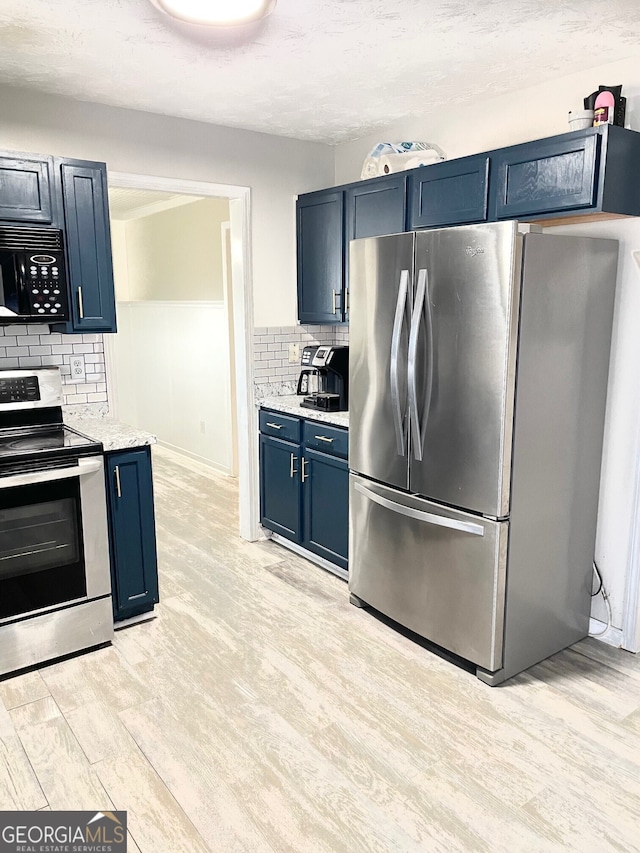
243,325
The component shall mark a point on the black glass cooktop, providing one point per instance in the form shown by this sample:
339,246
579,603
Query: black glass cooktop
43,442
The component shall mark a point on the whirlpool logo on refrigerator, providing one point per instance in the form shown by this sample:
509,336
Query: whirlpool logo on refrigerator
472,251
63,832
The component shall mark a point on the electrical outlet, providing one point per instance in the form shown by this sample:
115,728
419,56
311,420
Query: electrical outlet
294,353
77,368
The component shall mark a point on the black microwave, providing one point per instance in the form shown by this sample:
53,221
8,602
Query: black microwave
33,277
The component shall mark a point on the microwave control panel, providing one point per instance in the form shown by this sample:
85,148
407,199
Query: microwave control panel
44,284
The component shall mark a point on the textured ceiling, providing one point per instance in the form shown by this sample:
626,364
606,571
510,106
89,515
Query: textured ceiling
327,70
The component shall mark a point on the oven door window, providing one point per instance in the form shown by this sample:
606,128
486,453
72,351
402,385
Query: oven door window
41,548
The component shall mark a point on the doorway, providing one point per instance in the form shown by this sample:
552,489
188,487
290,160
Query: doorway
236,328
170,362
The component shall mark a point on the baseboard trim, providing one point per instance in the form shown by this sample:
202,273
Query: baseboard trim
613,637
308,555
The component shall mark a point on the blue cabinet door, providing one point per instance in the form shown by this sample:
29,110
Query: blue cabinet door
373,208
320,251
450,193
326,506
546,176
88,235
280,508
25,188
134,562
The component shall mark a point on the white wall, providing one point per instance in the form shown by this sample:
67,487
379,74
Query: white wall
275,168
177,253
166,356
473,126
468,128
170,361
119,257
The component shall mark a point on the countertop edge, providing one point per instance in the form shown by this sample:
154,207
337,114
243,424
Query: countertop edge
290,405
111,433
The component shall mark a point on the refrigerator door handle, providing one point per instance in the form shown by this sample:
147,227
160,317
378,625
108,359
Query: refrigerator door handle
394,372
414,415
420,515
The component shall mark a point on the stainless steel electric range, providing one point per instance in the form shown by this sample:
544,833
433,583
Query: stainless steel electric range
55,583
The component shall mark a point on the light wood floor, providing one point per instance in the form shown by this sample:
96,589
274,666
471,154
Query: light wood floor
261,712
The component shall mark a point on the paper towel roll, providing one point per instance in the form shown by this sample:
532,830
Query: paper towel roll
370,168
390,163
415,162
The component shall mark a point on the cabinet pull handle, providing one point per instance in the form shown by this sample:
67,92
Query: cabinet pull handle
118,488
333,302
324,438
292,466
305,476
346,302
274,426
80,304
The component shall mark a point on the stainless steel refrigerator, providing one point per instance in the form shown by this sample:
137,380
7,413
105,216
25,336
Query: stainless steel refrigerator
479,359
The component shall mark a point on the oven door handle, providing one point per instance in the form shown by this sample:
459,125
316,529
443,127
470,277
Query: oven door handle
29,478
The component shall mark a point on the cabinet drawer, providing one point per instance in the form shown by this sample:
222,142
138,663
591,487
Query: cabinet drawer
279,426
326,438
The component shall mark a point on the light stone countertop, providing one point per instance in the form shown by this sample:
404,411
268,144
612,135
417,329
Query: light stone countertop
290,405
113,434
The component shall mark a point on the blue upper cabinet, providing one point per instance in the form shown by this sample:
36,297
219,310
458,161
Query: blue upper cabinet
545,176
593,171
326,221
590,172
25,188
88,238
373,208
450,193
320,250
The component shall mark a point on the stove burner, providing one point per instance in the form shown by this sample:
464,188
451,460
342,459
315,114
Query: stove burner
31,442
43,443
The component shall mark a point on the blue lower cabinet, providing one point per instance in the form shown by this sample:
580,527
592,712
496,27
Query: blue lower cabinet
280,484
132,532
304,484
326,506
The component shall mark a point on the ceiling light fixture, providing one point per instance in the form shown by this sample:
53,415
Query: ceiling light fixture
216,13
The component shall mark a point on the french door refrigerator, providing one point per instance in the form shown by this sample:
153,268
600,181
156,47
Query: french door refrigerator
478,373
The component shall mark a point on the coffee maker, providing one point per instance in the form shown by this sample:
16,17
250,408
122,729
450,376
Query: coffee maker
324,378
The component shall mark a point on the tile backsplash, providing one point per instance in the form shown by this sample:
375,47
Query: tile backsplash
274,375
37,346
